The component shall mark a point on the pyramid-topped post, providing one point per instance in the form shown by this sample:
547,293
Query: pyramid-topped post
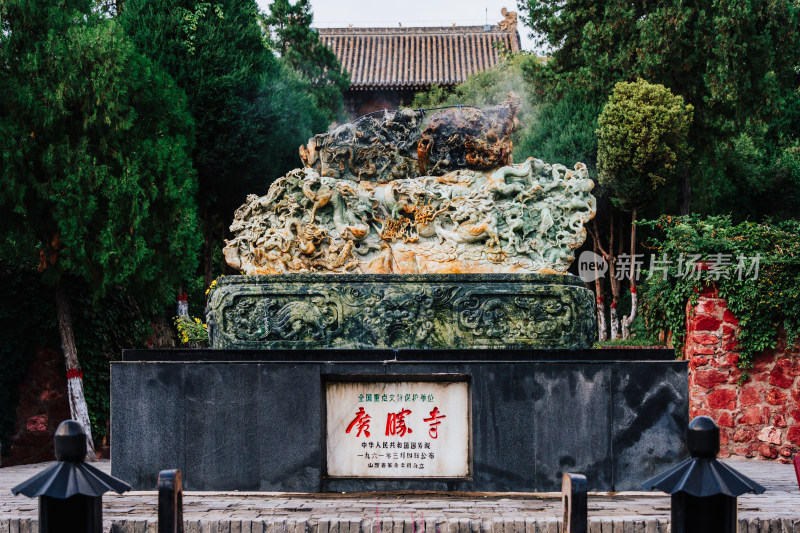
703,490
71,491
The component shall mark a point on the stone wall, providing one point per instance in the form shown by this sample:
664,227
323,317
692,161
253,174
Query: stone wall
758,411
43,405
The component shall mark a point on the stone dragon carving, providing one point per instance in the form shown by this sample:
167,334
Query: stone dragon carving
381,196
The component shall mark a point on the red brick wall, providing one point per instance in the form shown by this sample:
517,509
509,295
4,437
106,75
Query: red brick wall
43,405
759,417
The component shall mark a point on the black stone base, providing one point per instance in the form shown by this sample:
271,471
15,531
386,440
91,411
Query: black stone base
254,420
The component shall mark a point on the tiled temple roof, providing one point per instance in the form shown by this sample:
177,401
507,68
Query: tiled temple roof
394,58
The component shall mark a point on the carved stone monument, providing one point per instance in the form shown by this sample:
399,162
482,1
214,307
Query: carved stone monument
404,321
402,232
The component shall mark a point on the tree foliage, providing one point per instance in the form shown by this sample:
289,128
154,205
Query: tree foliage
300,48
735,62
94,142
237,92
95,176
730,59
641,147
562,131
250,112
641,141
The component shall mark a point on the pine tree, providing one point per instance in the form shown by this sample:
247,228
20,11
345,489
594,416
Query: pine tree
95,178
299,47
250,112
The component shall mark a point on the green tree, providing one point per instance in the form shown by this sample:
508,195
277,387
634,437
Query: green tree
562,131
736,62
95,178
754,177
642,145
250,112
300,48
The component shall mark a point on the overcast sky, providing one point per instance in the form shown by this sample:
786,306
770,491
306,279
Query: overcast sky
387,13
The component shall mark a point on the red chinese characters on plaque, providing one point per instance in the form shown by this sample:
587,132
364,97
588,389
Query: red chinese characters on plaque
396,423
361,421
397,429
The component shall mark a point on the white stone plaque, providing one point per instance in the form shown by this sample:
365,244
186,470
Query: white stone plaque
404,429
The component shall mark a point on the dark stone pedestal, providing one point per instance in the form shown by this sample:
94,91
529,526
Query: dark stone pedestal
315,311
254,420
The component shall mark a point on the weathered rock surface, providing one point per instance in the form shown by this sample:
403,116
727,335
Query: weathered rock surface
379,196
393,145
520,218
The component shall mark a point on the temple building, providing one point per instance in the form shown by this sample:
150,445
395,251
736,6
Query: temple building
388,66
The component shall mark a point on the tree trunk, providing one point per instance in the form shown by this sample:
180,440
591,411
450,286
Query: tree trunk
183,304
628,320
615,283
610,257
614,303
602,334
77,401
685,193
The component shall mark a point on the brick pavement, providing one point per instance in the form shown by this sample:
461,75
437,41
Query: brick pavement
777,510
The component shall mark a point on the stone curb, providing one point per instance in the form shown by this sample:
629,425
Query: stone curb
526,525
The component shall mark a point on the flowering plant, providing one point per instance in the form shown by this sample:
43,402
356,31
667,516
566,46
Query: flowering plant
213,285
191,331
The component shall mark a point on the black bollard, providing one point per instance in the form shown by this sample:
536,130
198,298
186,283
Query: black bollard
703,490
170,502
573,497
71,491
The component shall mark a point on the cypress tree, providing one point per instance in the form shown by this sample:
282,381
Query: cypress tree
735,62
641,141
95,178
251,114
299,47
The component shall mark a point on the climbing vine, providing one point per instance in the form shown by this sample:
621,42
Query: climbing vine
755,267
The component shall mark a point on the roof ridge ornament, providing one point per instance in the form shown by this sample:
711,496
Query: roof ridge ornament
509,23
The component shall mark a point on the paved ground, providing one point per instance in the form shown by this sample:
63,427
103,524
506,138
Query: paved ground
777,510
